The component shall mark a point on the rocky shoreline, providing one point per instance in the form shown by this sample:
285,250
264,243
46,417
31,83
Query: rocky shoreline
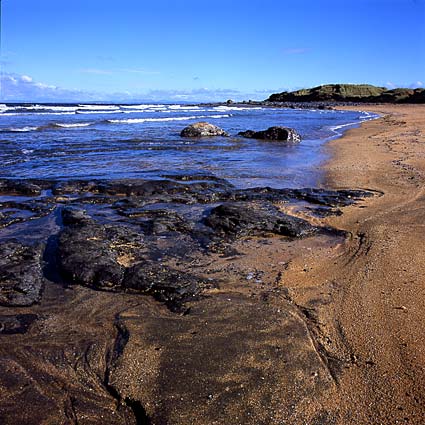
187,300
112,231
174,243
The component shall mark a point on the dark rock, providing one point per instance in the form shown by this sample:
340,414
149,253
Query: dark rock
325,211
21,278
273,133
202,129
174,288
74,216
157,221
19,187
418,96
74,186
16,324
238,219
197,177
89,254
331,198
116,258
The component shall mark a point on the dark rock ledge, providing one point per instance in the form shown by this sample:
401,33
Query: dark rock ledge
140,235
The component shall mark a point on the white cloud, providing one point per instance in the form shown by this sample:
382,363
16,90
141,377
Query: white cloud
9,79
415,85
45,86
26,79
23,88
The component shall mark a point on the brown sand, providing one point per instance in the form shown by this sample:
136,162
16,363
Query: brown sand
314,331
375,320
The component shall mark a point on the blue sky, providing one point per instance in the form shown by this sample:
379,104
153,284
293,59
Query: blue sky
205,50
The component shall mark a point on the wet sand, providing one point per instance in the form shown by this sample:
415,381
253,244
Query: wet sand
319,330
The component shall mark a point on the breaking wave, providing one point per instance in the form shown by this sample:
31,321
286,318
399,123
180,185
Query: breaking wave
141,120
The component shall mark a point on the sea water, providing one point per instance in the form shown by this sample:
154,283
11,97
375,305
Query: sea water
86,141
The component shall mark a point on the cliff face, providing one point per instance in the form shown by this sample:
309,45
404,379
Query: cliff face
351,93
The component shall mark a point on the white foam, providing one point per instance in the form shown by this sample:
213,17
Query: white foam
100,111
181,107
75,125
235,108
21,130
142,120
27,151
143,107
138,111
61,108
37,113
368,116
98,107
337,127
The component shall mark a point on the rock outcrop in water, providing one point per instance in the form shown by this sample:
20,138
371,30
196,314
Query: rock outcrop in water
273,133
351,93
202,129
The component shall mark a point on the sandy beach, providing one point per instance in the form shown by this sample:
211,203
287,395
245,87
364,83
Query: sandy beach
374,318
325,329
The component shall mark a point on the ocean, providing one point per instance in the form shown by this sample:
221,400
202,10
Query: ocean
86,141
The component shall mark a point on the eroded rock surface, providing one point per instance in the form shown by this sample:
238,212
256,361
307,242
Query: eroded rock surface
21,278
117,258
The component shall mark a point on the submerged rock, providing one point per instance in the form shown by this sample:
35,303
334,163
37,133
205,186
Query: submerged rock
273,133
21,277
202,129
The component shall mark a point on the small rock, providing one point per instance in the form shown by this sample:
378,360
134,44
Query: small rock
202,129
401,307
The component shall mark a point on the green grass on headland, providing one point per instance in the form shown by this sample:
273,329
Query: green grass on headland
351,93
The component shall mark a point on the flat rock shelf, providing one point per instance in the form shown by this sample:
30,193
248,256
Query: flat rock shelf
156,301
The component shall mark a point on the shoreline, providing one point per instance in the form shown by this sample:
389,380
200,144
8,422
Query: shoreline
377,291
317,329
